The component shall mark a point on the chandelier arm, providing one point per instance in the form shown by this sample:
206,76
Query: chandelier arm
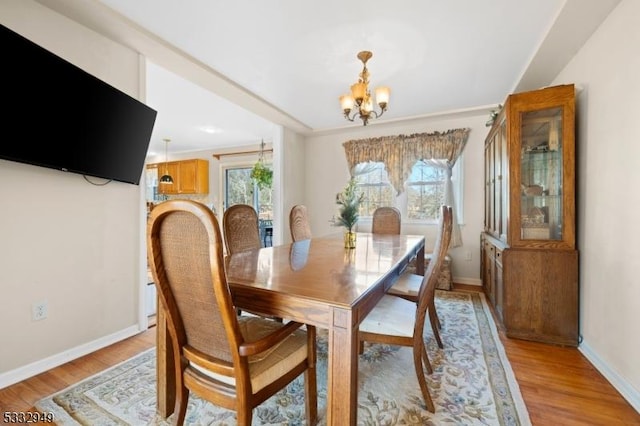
355,113
375,113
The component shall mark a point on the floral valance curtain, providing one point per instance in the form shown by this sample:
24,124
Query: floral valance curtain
400,153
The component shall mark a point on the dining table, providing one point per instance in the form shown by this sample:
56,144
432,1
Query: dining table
317,282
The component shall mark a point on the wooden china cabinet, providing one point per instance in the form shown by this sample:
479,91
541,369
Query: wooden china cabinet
529,258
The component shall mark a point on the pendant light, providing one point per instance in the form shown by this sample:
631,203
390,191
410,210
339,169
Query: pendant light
166,177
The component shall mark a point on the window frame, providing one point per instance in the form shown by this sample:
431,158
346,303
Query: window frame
401,201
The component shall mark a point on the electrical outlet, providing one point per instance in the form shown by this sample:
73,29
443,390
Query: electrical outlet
467,256
39,311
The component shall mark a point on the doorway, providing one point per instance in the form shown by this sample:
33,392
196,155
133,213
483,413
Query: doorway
239,188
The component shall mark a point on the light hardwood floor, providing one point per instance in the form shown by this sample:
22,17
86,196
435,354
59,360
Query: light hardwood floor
558,384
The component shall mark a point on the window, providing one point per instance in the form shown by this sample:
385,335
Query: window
374,184
425,191
423,195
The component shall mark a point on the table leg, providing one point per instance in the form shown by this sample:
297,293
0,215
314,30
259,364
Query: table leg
342,370
420,261
165,379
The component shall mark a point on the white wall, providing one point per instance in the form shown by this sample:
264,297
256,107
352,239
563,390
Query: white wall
65,241
293,177
327,173
607,70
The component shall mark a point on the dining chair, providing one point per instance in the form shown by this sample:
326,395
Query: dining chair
299,223
408,284
231,361
398,321
242,233
241,229
386,220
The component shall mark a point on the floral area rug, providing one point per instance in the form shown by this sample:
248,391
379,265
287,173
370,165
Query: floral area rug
472,383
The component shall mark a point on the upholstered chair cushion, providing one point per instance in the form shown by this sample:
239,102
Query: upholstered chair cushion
407,285
266,366
392,316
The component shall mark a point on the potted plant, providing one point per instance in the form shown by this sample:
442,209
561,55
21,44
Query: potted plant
348,212
262,175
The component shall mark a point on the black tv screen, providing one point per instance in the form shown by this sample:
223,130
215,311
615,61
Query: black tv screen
59,116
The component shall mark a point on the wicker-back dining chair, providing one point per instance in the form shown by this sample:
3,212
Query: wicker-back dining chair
397,321
242,233
386,220
233,362
299,223
241,229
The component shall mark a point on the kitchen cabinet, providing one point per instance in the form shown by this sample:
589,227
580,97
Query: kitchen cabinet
189,176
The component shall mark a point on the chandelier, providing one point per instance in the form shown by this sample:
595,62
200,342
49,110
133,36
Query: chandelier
360,96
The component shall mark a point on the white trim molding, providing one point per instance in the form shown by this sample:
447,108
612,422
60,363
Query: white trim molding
627,390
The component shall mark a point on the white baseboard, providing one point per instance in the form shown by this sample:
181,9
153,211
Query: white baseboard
627,390
21,373
468,281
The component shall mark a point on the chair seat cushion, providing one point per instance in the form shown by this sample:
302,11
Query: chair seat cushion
270,365
392,316
407,285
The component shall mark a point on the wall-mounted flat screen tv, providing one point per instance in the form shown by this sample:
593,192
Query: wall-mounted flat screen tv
59,116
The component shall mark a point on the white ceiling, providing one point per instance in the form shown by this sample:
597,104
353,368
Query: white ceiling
195,119
288,61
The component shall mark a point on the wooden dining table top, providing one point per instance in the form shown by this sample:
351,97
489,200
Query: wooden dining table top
321,268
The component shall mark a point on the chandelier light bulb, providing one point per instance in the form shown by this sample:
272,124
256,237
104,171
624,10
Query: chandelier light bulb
347,103
382,96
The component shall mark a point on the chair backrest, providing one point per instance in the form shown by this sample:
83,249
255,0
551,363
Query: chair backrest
186,259
386,220
299,223
241,229
213,348
430,280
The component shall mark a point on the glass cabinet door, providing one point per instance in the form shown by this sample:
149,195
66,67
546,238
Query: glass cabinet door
495,214
504,182
541,174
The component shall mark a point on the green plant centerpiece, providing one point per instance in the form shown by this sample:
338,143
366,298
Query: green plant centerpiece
262,175
348,211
